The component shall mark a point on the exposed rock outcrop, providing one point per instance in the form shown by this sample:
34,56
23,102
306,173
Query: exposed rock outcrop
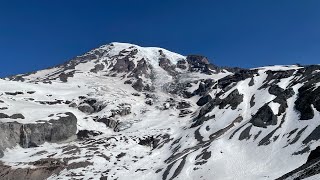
35,134
44,169
308,95
264,117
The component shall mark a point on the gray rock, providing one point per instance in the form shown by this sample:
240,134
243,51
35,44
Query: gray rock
233,99
204,87
149,102
141,69
128,82
314,135
198,63
264,117
111,123
204,100
13,93
73,105
17,116
122,126
184,112
307,96
252,102
2,116
183,105
251,83
138,85
64,76
239,75
245,134
86,108
166,64
97,68
83,134
123,109
42,169
278,75
32,135
181,64
275,90
123,65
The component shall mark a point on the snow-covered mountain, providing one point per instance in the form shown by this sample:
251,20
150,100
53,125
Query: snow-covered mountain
127,112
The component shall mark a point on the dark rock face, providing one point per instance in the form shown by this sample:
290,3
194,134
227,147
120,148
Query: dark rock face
239,75
252,102
17,78
13,93
138,85
251,83
17,116
165,64
52,131
245,134
32,135
203,111
181,64
282,96
275,90
314,135
315,154
269,137
124,64
204,100
179,89
9,135
184,112
149,141
64,76
199,63
233,99
276,76
204,87
2,116
308,96
264,117
141,69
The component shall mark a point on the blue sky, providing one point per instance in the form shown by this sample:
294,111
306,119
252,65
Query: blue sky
245,33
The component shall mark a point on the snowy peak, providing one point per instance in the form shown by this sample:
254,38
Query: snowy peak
123,111
145,68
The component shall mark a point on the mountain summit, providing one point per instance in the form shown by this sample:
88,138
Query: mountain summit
123,111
